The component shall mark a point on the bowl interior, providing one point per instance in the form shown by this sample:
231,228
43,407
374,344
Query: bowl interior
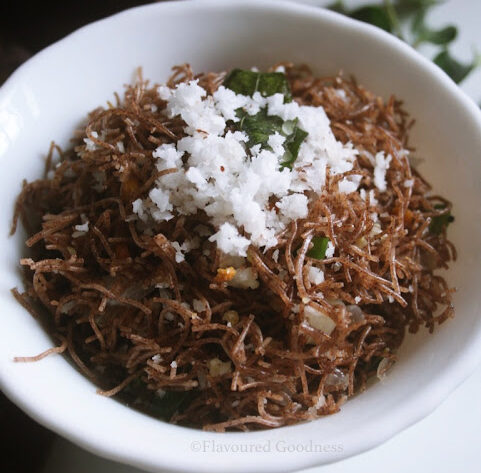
48,97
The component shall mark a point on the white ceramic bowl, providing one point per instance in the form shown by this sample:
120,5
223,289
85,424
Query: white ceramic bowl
48,96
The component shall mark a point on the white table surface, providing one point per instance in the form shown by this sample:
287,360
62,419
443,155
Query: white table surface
448,440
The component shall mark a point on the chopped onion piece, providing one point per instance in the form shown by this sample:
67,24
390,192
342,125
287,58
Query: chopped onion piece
384,366
337,378
218,367
319,320
245,278
231,316
357,315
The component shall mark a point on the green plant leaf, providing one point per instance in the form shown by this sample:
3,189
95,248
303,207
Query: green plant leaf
390,15
319,247
407,8
291,145
248,82
374,15
261,126
440,222
424,34
442,36
338,7
458,71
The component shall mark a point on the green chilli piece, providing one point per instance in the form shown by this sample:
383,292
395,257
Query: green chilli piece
319,247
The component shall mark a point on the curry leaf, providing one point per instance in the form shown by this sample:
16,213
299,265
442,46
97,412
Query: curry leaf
319,247
440,222
261,126
291,145
248,82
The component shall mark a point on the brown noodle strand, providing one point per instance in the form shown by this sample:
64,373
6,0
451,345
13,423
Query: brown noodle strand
40,356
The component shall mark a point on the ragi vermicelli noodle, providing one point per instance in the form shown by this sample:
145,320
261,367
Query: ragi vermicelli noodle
286,332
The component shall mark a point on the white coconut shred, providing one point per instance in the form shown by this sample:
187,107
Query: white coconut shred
216,171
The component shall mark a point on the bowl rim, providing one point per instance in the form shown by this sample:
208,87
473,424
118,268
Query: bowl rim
407,413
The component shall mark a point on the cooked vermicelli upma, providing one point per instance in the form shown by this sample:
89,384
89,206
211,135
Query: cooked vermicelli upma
235,251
